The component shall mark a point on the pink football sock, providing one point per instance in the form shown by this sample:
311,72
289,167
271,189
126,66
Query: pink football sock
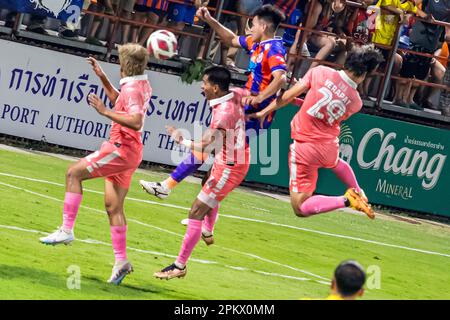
319,204
191,238
71,205
345,173
119,242
210,220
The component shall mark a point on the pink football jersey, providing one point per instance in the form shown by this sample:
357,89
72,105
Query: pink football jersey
332,98
134,97
228,114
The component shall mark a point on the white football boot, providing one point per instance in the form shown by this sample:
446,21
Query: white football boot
120,271
60,236
155,189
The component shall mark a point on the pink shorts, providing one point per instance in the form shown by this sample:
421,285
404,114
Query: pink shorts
222,181
305,159
115,162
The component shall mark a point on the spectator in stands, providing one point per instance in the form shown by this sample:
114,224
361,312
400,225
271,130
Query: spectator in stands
70,29
291,36
180,14
386,25
444,101
436,75
37,24
244,7
325,44
123,7
425,38
360,26
149,11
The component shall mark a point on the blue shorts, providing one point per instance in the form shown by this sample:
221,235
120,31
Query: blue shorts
253,127
289,34
182,13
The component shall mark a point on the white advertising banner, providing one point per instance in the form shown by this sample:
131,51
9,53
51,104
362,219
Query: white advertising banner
43,95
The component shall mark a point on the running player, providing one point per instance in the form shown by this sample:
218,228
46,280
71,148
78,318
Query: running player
267,76
117,158
231,163
332,98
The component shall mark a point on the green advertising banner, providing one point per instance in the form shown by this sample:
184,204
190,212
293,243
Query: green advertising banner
397,163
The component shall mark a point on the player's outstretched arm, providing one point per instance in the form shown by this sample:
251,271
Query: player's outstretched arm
133,121
228,37
287,97
211,139
278,82
110,90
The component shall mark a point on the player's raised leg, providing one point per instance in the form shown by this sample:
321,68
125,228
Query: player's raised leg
76,173
114,201
305,159
356,196
186,168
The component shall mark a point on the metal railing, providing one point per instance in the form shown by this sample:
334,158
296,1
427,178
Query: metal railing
305,29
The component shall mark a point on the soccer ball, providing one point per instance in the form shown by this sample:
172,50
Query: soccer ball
162,44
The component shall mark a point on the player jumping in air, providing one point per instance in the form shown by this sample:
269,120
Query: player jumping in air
332,98
267,76
231,163
117,158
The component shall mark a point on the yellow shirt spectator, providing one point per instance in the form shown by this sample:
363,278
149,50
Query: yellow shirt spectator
386,24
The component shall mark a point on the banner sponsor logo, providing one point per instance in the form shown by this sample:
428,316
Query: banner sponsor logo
426,166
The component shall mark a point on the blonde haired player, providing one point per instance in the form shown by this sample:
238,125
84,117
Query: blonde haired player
117,158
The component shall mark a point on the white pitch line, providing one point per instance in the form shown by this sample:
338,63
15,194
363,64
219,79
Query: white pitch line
260,221
168,231
161,254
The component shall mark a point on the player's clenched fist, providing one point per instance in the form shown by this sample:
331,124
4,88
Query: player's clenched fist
174,134
203,14
251,100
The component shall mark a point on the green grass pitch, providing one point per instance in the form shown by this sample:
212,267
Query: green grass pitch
262,250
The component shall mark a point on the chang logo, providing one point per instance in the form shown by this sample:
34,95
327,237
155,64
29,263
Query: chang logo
54,7
346,143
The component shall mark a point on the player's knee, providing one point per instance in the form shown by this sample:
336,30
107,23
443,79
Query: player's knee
299,213
111,208
73,173
297,210
195,214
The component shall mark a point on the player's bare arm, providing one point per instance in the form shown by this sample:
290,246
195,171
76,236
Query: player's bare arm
287,97
211,139
201,3
110,90
278,82
228,37
133,121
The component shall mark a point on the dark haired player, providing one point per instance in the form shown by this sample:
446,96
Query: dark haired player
267,76
348,281
332,98
231,162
